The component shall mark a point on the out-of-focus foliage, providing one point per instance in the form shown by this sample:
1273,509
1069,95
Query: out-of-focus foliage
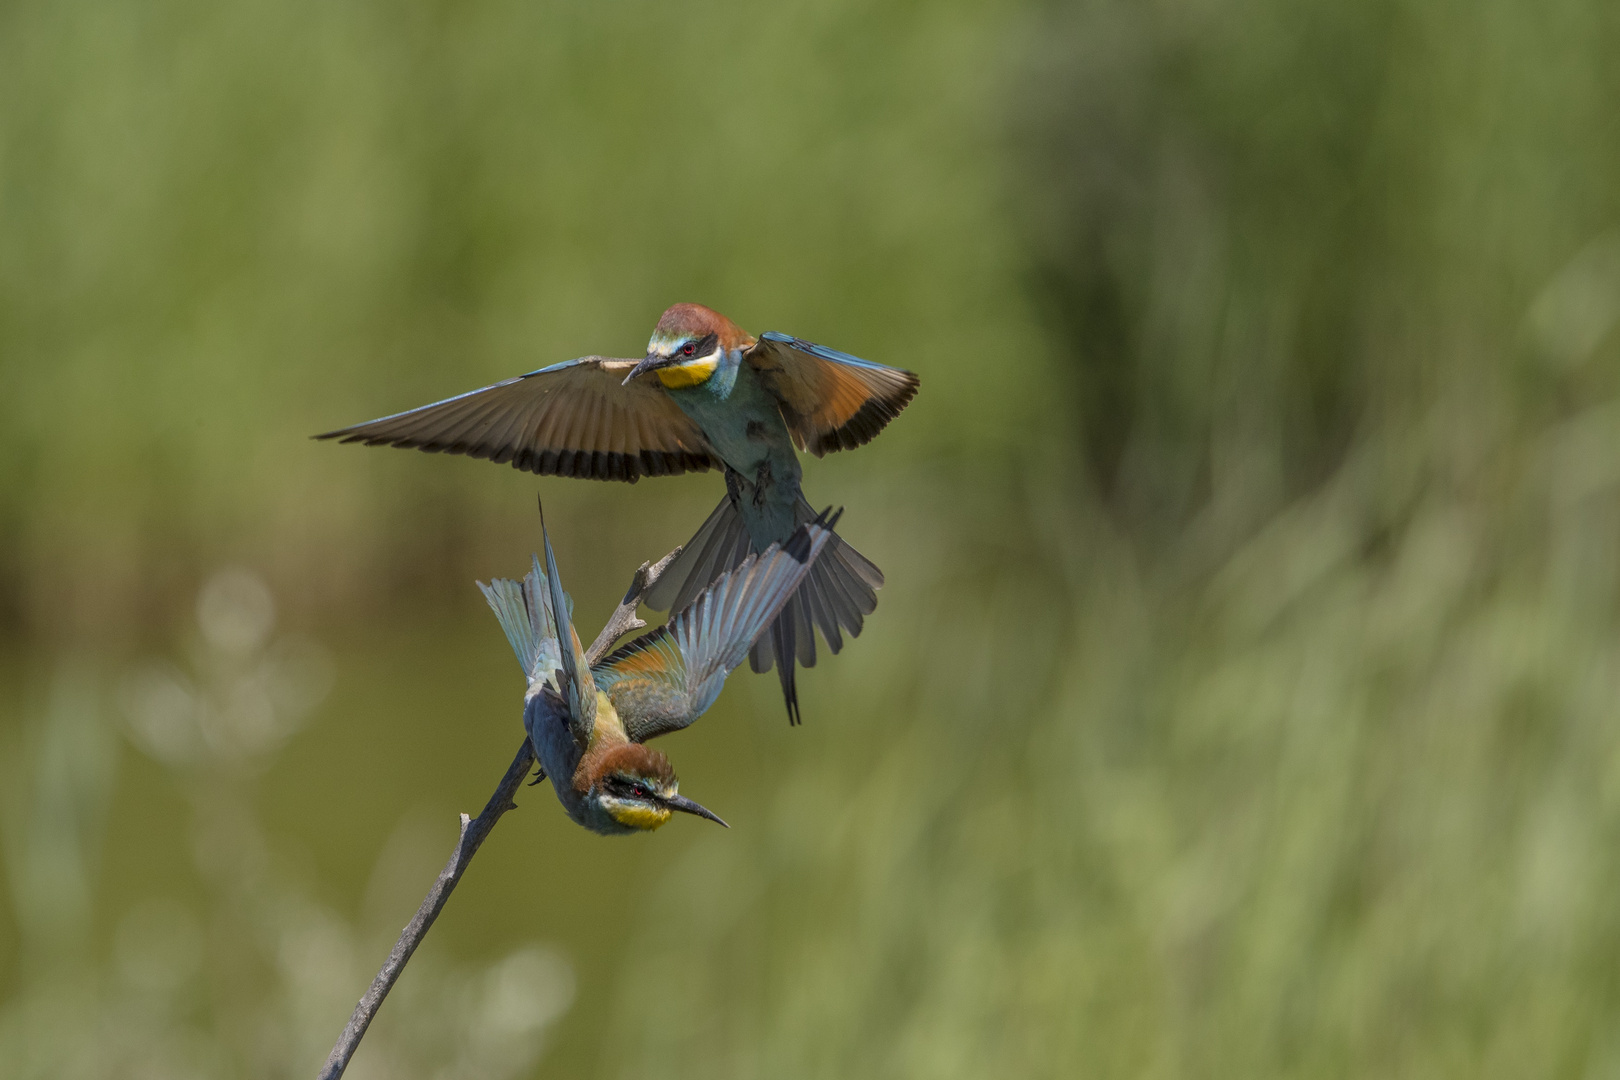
251,987
1242,700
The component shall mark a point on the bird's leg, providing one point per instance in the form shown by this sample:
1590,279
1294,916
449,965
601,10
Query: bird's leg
623,620
539,775
762,483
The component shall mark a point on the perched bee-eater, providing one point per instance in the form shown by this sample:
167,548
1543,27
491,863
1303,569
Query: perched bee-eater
706,395
588,725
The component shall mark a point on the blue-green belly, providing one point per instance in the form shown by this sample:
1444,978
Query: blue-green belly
745,426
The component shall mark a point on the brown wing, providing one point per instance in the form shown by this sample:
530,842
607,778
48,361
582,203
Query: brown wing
570,419
830,400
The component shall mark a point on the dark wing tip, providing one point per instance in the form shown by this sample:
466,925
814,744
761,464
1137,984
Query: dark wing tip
352,434
869,419
608,465
799,544
576,464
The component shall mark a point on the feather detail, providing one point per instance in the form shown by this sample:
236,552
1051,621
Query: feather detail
830,400
665,679
836,594
570,419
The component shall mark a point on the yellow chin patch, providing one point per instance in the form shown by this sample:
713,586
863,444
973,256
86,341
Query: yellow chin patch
691,373
635,816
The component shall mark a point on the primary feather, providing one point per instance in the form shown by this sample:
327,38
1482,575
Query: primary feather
738,404
569,419
664,680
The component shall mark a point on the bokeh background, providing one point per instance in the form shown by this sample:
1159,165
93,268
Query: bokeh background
1243,700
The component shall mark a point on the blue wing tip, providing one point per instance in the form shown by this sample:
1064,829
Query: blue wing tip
822,351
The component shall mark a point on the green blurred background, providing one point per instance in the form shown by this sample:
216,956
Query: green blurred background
1243,698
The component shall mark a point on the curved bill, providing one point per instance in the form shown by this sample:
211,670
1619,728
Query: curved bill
687,806
648,363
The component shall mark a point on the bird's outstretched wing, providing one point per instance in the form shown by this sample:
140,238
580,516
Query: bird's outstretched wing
830,400
664,680
570,419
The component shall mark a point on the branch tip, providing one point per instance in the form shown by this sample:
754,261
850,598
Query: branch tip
623,620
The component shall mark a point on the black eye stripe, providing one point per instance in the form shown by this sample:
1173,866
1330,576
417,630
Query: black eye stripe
702,347
625,788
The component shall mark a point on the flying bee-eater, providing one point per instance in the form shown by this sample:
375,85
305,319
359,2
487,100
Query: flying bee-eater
588,725
706,395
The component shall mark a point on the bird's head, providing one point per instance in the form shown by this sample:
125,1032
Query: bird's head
637,789
689,344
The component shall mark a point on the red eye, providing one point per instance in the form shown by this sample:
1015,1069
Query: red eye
688,350
640,791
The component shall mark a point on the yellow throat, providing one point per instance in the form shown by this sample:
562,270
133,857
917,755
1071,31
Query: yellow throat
691,373
639,817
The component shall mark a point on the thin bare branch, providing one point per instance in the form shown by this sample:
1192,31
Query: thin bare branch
623,620
473,833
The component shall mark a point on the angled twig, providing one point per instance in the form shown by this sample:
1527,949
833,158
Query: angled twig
623,620
473,833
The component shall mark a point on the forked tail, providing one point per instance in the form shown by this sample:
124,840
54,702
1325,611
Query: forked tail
835,596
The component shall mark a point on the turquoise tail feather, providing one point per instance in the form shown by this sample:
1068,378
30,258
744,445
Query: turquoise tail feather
512,611
525,616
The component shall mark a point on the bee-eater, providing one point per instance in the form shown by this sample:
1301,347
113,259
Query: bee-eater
706,395
588,725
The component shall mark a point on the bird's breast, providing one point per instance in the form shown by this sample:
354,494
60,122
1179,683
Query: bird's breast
745,426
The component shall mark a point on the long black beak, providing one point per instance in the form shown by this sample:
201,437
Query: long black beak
687,806
648,363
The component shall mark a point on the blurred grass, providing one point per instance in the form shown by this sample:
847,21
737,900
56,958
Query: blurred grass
1242,699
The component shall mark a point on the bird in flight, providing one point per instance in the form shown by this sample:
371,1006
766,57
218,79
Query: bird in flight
589,725
706,396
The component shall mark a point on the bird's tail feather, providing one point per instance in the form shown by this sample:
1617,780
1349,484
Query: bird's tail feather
835,596
720,545
526,619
